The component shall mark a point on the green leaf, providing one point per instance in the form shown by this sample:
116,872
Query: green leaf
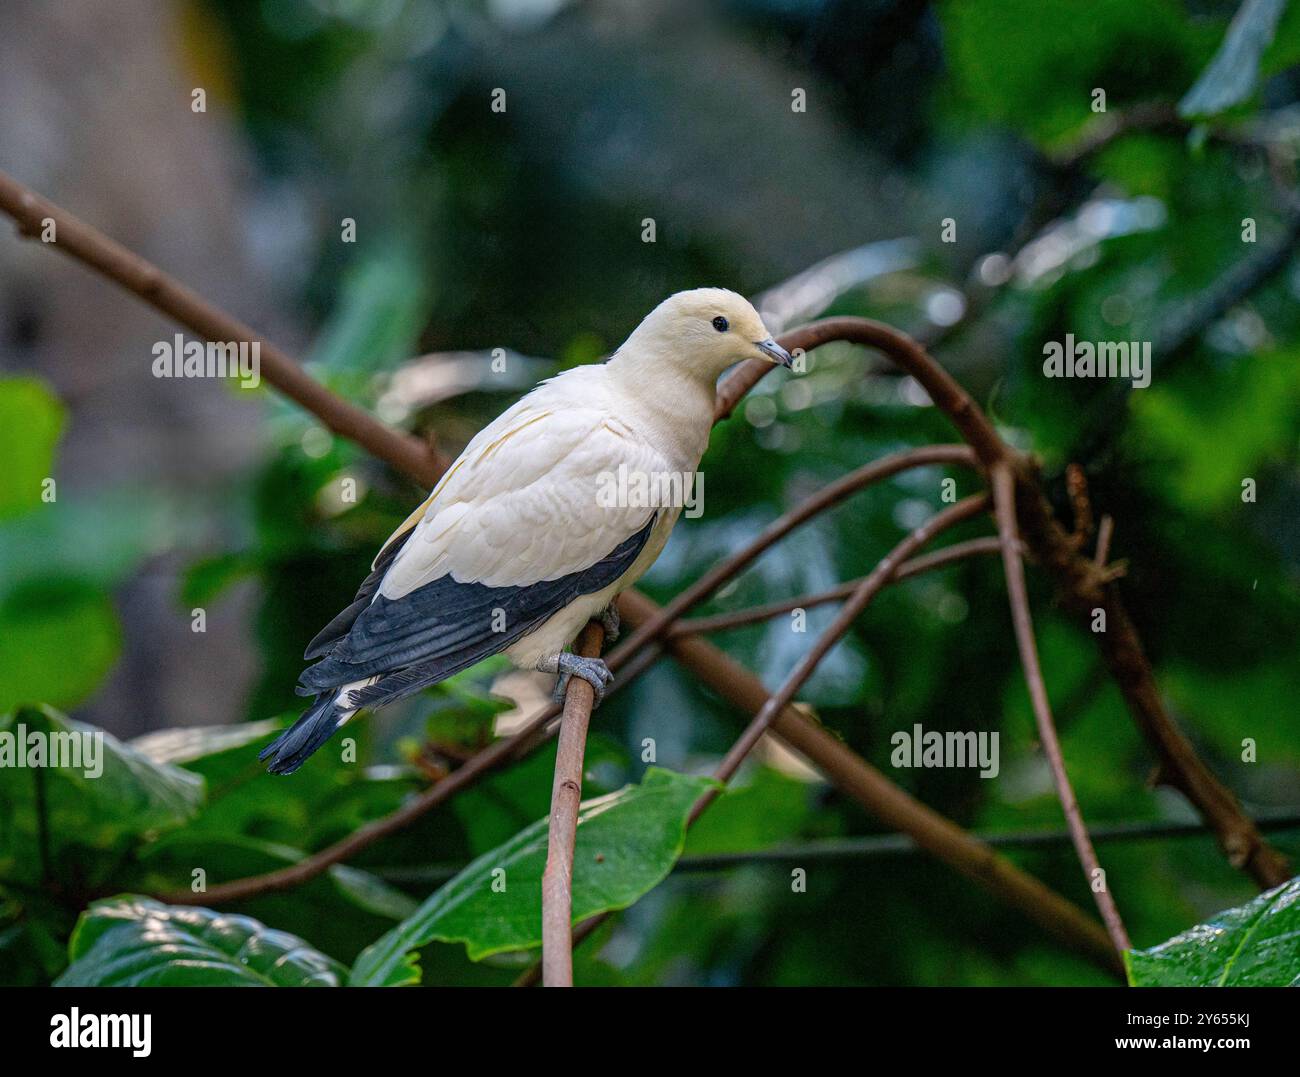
1256,945
627,842
42,625
31,420
1284,52
138,942
372,894
1193,423
115,794
1231,76
769,809
1013,63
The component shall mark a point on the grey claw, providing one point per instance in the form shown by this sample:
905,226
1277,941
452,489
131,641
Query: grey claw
560,689
592,670
611,622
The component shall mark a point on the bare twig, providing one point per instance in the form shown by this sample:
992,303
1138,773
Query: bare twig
825,498
1105,531
849,612
163,292
885,845
958,551
1076,483
1004,487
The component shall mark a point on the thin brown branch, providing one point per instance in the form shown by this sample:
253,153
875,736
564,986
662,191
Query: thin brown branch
945,840
110,259
566,795
825,498
849,612
1076,483
1084,588
1107,127
1004,493
721,622
946,394
1105,531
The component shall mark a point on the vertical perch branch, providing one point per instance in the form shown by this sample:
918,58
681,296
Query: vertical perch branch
566,795
1004,494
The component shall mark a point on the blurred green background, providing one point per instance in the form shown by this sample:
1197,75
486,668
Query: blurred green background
524,230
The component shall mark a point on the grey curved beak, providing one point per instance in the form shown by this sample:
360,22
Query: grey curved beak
775,352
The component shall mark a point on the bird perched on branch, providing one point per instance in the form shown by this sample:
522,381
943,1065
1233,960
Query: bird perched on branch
520,543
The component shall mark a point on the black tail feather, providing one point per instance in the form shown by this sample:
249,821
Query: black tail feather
292,747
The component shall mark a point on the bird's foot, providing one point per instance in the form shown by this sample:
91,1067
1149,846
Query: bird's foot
592,670
611,622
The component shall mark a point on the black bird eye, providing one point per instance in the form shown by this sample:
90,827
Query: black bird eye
720,324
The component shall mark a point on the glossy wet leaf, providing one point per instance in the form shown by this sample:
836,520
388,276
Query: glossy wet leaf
139,942
627,842
1255,945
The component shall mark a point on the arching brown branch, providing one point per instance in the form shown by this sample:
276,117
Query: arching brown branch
828,496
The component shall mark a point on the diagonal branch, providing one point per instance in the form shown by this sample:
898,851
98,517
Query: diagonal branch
958,551
825,498
165,293
1005,509
849,612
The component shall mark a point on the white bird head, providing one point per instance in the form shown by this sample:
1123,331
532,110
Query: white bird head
701,332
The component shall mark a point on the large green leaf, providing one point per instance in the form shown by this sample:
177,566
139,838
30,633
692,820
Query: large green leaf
1256,945
86,811
58,638
768,809
627,842
139,942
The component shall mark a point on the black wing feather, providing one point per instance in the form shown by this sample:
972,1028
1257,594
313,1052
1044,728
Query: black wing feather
422,638
446,626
